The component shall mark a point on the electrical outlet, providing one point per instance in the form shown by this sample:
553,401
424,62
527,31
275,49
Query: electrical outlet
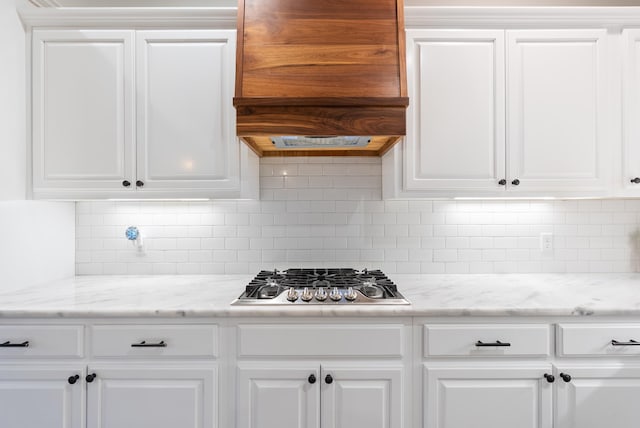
546,242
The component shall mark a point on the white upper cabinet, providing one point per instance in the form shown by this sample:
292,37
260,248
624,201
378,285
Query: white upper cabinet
186,138
631,107
556,110
456,133
82,110
500,113
129,114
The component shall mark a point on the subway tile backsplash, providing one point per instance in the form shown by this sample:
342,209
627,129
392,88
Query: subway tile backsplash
328,212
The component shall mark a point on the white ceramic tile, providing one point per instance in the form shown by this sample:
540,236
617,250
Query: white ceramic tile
327,211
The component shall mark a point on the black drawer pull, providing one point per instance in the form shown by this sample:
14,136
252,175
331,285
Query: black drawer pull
480,343
8,344
312,379
636,180
328,379
90,377
144,344
73,379
631,342
549,377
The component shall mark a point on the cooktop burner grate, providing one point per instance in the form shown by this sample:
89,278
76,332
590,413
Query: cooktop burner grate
311,286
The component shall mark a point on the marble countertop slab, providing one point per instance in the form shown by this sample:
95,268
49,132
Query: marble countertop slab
430,295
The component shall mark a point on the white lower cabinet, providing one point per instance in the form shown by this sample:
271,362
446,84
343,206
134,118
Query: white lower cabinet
151,396
282,395
598,396
312,395
496,396
42,396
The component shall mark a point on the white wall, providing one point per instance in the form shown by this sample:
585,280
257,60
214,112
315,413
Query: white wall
37,239
12,103
327,212
37,243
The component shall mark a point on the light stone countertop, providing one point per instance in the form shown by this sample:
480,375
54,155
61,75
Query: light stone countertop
430,295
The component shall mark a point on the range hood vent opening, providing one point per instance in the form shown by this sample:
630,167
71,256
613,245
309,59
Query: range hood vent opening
321,77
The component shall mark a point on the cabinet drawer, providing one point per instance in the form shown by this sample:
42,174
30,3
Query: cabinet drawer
487,340
316,340
41,341
154,341
598,339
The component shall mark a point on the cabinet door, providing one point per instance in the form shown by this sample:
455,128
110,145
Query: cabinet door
361,397
597,397
631,110
456,133
82,112
152,397
186,120
487,397
557,124
278,396
40,397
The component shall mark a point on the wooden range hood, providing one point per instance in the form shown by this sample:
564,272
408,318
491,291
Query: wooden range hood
321,68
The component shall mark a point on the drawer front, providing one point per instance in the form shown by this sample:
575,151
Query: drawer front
314,340
154,341
487,340
597,339
41,341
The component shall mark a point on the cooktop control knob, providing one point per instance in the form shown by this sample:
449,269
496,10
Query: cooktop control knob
351,294
306,294
292,295
321,294
335,294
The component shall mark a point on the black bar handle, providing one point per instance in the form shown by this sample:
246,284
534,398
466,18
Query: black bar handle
73,379
312,378
328,379
631,342
8,344
565,377
480,343
90,377
549,377
144,344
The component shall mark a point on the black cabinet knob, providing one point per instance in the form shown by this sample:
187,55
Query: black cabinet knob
636,180
312,379
73,379
139,183
126,183
549,377
328,379
565,377
90,377
502,182
515,182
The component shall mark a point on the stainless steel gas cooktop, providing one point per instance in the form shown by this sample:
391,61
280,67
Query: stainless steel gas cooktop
321,287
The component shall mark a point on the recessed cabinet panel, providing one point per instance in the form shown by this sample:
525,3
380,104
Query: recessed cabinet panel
82,109
557,110
185,133
158,397
456,134
362,397
597,397
41,397
631,110
483,397
281,396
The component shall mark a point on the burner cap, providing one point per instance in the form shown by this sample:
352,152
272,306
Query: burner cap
321,283
371,290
